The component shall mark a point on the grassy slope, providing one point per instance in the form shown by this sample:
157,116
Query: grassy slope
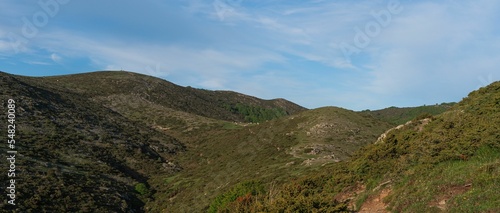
274,151
69,126
75,154
449,163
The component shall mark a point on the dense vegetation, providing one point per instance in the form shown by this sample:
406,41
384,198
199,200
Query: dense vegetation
98,141
241,193
78,155
255,114
449,163
277,150
124,142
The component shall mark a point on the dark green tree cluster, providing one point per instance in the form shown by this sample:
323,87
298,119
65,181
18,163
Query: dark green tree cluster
257,114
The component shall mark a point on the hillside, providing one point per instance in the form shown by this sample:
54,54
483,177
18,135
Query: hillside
78,155
398,116
273,151
148,147
445,163
100,139
125,142
116,88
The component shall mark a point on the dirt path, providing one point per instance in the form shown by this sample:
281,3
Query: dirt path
375,202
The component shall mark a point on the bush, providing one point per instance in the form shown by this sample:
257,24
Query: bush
242,193
142,189
255,114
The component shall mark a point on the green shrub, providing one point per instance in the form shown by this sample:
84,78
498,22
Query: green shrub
141,188
244,190
256,114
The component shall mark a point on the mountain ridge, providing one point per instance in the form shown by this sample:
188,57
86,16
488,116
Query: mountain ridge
220,103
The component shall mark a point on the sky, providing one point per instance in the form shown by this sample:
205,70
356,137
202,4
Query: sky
367,54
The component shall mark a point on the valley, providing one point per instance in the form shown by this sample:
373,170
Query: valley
118,141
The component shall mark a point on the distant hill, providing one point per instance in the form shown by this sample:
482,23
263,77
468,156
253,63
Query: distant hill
115,87
397,116
446,163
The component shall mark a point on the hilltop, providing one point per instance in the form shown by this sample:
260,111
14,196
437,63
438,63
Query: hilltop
117,88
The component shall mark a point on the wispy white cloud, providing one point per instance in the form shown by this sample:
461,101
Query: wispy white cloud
38,63
4,46
430,52
209,65
440,48
55,57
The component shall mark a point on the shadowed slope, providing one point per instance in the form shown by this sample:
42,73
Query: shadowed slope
76,155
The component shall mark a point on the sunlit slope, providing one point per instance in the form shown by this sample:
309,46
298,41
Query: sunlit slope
445,163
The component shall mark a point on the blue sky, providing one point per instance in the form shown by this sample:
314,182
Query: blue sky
353,54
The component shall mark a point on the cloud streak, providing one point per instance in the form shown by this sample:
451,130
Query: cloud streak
430,52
